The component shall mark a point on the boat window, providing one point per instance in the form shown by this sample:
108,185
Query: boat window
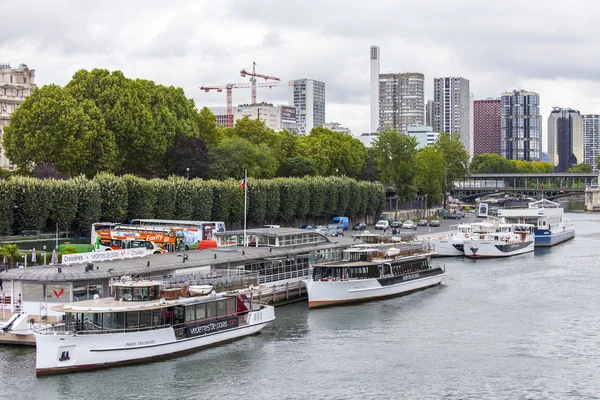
386,269
190,313
221,308
146,318
200,311
178,315
114,320
231,309
141,293
133,319
211,310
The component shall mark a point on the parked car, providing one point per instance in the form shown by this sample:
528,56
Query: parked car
396,224
452,216
334,232
408,224
422,222
460,214
382,224
359,227
320,228
434,222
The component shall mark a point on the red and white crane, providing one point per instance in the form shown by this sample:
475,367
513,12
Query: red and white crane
253,75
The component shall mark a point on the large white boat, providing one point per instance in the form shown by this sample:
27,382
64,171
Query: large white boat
138,324
551,227
507,240
368,273
452,244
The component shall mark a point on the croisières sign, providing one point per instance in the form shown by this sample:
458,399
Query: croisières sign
103,256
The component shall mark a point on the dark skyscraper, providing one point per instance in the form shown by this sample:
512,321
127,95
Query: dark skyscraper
487,131
521,126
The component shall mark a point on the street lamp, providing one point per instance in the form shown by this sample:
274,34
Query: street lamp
188,172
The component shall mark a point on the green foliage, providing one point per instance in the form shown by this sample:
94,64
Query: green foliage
335,153
203,200
289,196
69,250
495,164
184,199
52,127
233,155
113,192
396,162
273,201
318,189
7,194
89,203
166,192
455,158
222,201
64,200
581,168
207,127
430,174
141,197
298,166
31,204
257,200
11,252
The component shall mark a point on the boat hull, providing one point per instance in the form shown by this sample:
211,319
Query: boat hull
71,352
547,238
448,247
323,294
497,248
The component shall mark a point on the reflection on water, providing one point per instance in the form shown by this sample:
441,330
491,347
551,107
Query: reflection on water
521,327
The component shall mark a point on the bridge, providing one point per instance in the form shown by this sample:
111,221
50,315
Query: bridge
554,185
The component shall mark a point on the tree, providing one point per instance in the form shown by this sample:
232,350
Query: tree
455,157
489,163
10,251
207,128
233,155
430,174
298,166
396,165
336,153
69,250
188,157
581,168
51,127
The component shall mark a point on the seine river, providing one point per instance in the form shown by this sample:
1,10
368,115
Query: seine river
526,327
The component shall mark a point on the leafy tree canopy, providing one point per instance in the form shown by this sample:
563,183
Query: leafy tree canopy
581,168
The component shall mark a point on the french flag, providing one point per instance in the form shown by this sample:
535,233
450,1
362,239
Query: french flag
244,183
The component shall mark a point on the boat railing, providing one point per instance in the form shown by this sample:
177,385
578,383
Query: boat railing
68,329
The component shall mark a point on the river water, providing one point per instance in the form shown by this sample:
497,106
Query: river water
526,327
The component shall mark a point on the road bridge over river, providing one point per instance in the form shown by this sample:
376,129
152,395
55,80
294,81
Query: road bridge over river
554,185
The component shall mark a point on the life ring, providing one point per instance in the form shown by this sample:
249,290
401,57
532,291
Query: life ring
185,290
466,235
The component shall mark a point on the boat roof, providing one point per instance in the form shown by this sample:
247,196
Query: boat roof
544,203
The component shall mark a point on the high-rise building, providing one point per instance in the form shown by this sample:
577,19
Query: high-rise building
401,100
487,132
452,108
591,139
565,138
277,118
429,113
424,134
308,96
374,56
15,85
521,126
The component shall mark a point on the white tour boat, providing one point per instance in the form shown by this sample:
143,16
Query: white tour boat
551,227
138,325
452,244
507,240
368,273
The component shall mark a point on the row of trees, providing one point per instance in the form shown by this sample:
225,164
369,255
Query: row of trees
36,204
496,164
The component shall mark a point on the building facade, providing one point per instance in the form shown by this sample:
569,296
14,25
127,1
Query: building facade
424,134
374,55
401,101
337,127
521,126
565,138
487,132
15,85
452,108
277,118
591,139
308,97
429,113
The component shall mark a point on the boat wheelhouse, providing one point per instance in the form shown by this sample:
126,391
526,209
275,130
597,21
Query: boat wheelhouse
370,272
142,323
551,227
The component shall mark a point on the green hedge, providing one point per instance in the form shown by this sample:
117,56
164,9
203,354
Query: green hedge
35,204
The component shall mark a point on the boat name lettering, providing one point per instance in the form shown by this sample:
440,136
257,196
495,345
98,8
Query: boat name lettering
142,343
411,276
210,327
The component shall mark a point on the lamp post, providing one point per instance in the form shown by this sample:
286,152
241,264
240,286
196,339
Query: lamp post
187,170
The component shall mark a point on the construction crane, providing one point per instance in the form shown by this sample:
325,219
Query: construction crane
253,75
229,90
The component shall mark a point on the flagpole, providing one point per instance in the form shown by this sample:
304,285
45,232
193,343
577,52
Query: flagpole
245,205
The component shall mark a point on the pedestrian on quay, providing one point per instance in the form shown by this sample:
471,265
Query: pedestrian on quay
1,287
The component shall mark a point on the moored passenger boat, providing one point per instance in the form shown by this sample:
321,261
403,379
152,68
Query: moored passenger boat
138,325
452,244
368,273
508,240
551,227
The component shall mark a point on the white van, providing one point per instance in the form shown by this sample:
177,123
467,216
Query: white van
382,224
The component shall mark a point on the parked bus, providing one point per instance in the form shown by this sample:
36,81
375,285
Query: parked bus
117,240
166,238
197,234
482,210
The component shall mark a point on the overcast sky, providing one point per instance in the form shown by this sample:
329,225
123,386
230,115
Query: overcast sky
548,46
